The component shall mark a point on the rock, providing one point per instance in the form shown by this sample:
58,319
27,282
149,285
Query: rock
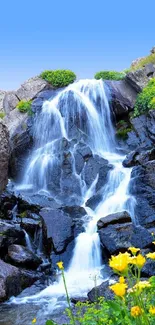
143,134
4,155
59,228
101,291
142,186
138,79
10,101
94,200
136,157
10,234
13,280
30,88
30,225
135,62
123,97
2,95
21,256
149,69
119,217
153,50
148,269
119,237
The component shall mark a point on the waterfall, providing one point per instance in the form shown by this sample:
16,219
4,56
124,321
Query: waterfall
28,241
84,104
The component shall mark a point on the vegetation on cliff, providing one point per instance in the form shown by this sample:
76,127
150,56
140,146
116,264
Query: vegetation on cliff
109,75
146,99
58,78
25,106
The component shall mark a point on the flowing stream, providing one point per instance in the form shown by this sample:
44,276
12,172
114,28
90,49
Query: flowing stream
93,116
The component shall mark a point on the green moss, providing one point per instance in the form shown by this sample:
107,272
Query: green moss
145,100
123,133
148,59
23,214
58,78
109,75
25,106
2,115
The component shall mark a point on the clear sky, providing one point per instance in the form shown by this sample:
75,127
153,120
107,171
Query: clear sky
81,35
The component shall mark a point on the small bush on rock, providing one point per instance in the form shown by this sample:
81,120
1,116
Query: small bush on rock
2,115
148,59
58,78
109,75
25,106
145,100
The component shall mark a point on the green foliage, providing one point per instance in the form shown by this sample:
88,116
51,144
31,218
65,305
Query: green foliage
145,100
2,115
123,133
25,106
109,75
58,78
148,59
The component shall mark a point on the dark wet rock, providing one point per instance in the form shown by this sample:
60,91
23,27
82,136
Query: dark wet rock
96,166
13,280
139,158
102,290
82,154
4,155
115,218
142,186
123,97
94,200
139,79
59,228
30,225
118,237
149,268
143,134
22,256
10,234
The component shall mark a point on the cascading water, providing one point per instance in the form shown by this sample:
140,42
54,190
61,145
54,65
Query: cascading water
85,104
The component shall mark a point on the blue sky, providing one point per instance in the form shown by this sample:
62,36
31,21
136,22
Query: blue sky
84,36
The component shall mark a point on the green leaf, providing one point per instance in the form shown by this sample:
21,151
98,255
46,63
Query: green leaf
50,322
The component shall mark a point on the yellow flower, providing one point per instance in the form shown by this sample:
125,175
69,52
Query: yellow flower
119,289
60,265
139,260
152,233
153,242
136,311
120,262
121,279
152,310
34,321
133,250
151,255
142,285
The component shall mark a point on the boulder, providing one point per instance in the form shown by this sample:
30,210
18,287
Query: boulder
13,280
111,219
4,155
123,97
22,256
10,234
117,238
102,290
31,87
138,158
148,269
2,95
10,101
138,79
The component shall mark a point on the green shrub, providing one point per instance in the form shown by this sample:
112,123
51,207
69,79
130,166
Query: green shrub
2,115
25,106
145,100
123,133
148,59
109,75
58,78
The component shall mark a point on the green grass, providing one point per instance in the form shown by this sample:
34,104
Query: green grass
123,133
58,78
109,75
